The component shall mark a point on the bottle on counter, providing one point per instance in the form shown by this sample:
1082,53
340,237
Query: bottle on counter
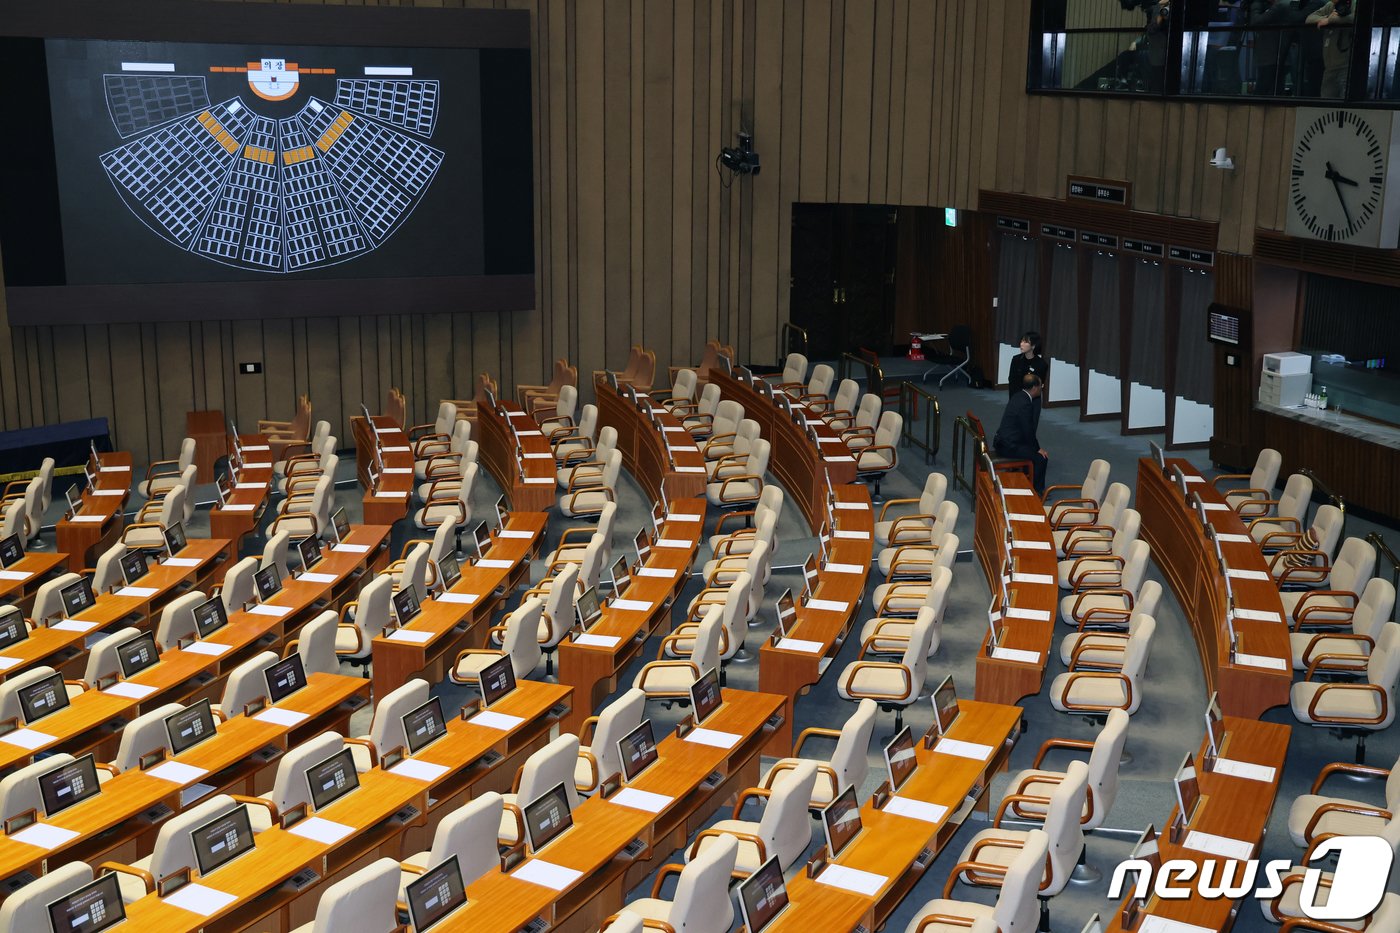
1322,398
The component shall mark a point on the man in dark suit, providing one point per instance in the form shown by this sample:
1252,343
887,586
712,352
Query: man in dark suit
1015,438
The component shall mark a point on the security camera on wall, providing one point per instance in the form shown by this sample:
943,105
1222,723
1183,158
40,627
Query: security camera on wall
741,159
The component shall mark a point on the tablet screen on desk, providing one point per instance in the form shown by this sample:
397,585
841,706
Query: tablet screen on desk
77,597
588,608
309,550
137,654
497,680
502,513
268,582
331,779
809,577
406,605
189,726
643,544
1215,727
637,749
341,524
90,909
841,821
1188,791
43,698
621,575
424,725
12,629
763,896
68,784
133,566
222,839
1158,457
481,539
705,695
284,678
449,571
11,550
175,540
436,893
945,705
900,759
210,616
546,817
786,612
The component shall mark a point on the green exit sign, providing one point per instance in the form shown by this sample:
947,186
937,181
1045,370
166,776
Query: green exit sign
950,216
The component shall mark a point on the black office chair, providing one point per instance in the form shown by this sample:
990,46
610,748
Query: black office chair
958,357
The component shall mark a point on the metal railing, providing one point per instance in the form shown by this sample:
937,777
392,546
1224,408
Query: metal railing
1320,487
965,440
909,394
788,332
843,368
1384,550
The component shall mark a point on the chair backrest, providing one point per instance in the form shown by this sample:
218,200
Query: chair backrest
1327,528
1135,557
174,849
108,572
1126,531
1297,493
646,369
470,471
237,587
683,389
48,603
46,480
1382,668
612,467
461,436
245,683
934,492
316,644
607,443
795,368
172,507
1115,501
709,400
363,902
1104,765
728,414
372,613
9,690
13,522
1374,608
289,787
102,656
771,502
615,720
869,411
143,735
275,553
27,909
851,757
34,504
757,464
558,614
591,569
1095,481
945,520
446,418
1148,598
606,518
521,640
1139,648
823,377
915,658
415,569
745,435
320,433
735,612
1266,467
395,408
1017,908
887,432
705,649
386,729
19,790
469,832
785,828
947,552
847,394
177,620
937,597
551,765
702,903
321,499
1062,826
757,565
188,478
1355,564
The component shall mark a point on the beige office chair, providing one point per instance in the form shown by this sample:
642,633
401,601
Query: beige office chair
161,475
1338,649
1110,596
14,518
448,464
881,455
386,731
733,551
361,620
740,444
148,529
724,428
27,908
1273,522
756,564
19,790
102,656
594,465
558,417
1082,502
818,391
107,574
1365,706
794,373
143,735
701,903
680,395
412,568
48,599
916,558
303,472
730,490
9,690
1096,649
467,833
574,541
894,685
440,545
734,602
741,540
1313,813
289,786
315,643
784,830
839,413
237,589
590,567
907,597
1015,910
449,502
849,762
306,513
599,759
579,443
364,901
550,766
861,428
889,635
698,419
1305,559
245,684
563,375
588,494
311,450
174,847
429,440
1260,481
1093,534
176,627
275,553
682,658
1090,570
1094,692
560,610
1333,603
911,527
519,640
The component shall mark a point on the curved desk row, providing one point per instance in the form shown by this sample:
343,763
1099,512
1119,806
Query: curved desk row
387,500
518,456
250,470
654,452
97,524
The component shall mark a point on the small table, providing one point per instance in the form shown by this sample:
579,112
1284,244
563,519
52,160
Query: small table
210,441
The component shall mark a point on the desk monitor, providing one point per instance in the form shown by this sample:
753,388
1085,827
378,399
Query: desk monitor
1188,791
137,654
341,524
994,624
588,608
90,909
637,749
1095,925
621,575
1179,479
424,725
406,605
268,582
449,571
841,821
189,726
1146,847
900,760
786,611
945,705
175,539
824,542
74,496
658,517
372,476
309,552
331,779
546,817
1158,457
222,839
763,895
134,566
809,577
12,629
11,551
629,391
68,784
502,513
43,698
1215,727
435,894
77,597
222,486
705,696
210,616
643,544
611,378
284,678
665,499
497,680
481,539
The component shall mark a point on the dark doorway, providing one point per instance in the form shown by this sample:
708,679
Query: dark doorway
843,262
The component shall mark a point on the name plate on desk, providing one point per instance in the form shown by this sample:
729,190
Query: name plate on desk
973,750
1032,545
1019,492
1041,578
493,720
27,739
684,517
672,542
1032,615
410,636
388,430
182,562
419,770
73,625
45,836
95,518
391,494
635,605
138,592
318,578
351,548
852,879
1257,615
397,450
853,535
1248,574
597,641
854,506
280,717
1027,517
1233,539
712,737
267,609
198,899
212,648
493,564
325,832
7,662
1016,654
547,874
1223,846
249,485
256,447
538,456
465,599
390,471
1259,660
641,800
1243,769
664,573
1215,507
177,772
539,480
514,533
108,492
916,809
15,575
690,469
127,469
830,605
798,644
1153,924
839,459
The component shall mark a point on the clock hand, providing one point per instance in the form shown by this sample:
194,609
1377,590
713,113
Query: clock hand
1341,200
1335,176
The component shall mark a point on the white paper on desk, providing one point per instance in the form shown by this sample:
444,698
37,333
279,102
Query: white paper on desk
267,609
672,542
397,450
391,494
189,795
318,578
238,507
690,469
1016,654
512,533
73,625
683,517
419,770
1248,574
326,832
539,480
547,874
390,471
844,568
280,717
388,430
1259,660
410,636
641,800
634,605
212,648
852,879
1223,846
854,535
95,518
854,506
597,641
1215,507
350,548
493,720
713,737
256,447
539,456
130,691
831,440
177,772
799,644
916,809
686,450
464,599
517,414
15,575
1043,578
182,562
28,739
1032,545
1257,615
198,899
1018,492
665,573
7,662
1155,924
833,605
668,427
139,592
840,459
1233,539
1195,479
124,469
108,492
493,564
44,835
1027,517
973,750
1243,769
528,434
1032,615
248,485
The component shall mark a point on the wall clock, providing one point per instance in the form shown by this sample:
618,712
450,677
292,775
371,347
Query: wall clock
1339,177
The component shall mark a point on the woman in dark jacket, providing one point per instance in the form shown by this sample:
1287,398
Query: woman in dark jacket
1028,360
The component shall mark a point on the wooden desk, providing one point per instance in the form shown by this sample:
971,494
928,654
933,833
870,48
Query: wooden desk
698,779
645,448
1235,807
98,523
40,567
1036,605
592,666
247,500
210,441
388,501
789,672
452,626
1187,559
529,480
901,848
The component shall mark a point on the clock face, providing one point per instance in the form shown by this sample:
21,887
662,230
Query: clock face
1338,176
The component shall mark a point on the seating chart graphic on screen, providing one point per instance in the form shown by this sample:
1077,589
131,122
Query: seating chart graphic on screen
228,182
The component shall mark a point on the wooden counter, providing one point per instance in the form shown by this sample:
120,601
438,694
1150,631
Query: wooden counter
528,480
652,454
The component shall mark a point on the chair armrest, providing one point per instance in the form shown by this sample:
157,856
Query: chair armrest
519,815
812,732
719,526
1227,477
592,762
731,480
140,874
665,872
750,838
1347,767
1350,720
747,794
268,805
1339,807
1010,800
1050,744
366,744
870,449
